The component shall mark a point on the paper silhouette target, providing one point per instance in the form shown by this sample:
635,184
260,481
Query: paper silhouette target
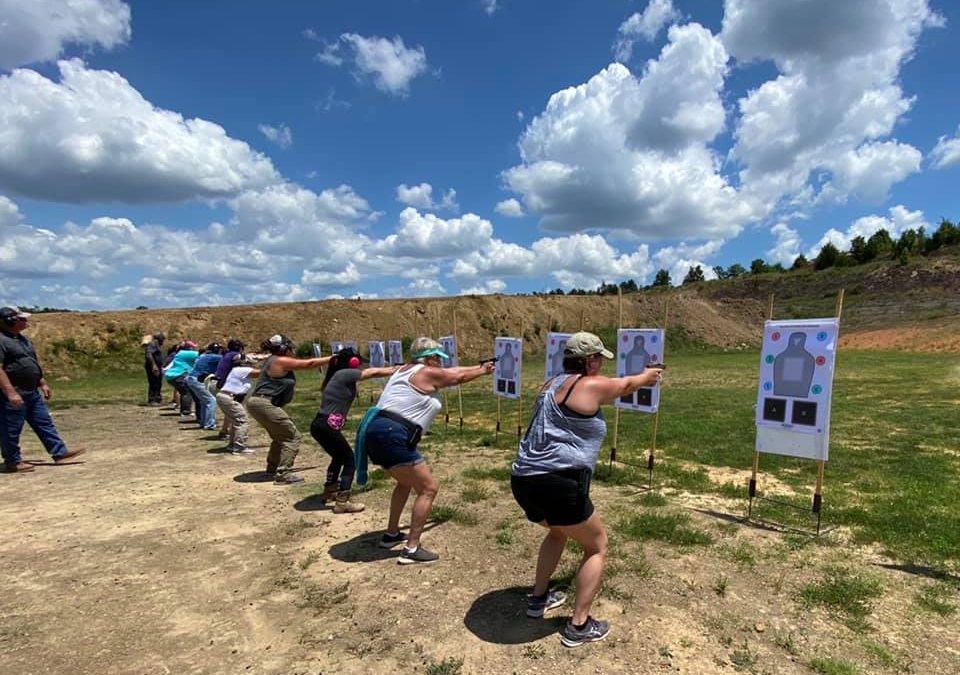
506,375
395,347
375,349
555,344
636,349
796,376
337,345
449,344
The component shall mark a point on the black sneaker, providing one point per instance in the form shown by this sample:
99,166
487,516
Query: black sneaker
536,606
288,479
594,631
391,540
417,555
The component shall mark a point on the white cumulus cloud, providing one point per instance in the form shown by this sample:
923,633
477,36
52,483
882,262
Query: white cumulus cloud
900,219
35,31
389,63
92,137
946,153
643,25
510,208
280,135
421,197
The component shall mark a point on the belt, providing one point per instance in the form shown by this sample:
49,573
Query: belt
399,419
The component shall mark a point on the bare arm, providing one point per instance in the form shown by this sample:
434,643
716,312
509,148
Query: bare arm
7,388
598,389
282,364
367,373
430,379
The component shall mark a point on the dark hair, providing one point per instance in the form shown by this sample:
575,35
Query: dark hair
214,347
340,361
575,364
282,348
234,345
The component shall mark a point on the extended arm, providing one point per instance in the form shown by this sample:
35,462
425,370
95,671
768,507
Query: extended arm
367,373
430,379
280,365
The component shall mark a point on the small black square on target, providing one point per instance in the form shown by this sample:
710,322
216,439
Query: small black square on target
501,386
804,412
645,397
775,409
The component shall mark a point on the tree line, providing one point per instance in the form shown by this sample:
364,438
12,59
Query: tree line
879,246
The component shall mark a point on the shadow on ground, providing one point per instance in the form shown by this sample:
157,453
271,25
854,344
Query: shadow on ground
500,617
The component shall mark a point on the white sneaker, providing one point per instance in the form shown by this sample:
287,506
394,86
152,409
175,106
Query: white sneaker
241,451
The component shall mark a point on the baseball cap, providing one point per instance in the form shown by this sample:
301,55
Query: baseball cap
279,340
13,313
432,351
586,344
189,344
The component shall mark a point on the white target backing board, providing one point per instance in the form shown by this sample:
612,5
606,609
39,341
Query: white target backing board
337,345
506,375
555,344
796,387
395,352
376,353
317,353
636,349
449,345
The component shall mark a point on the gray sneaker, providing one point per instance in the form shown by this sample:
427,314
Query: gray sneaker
594,631
241,451
417,555
288,479
537,606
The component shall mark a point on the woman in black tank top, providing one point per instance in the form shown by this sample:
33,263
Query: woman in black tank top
274,389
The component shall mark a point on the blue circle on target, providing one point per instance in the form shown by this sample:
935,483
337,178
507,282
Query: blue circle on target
770,358
822,335
653,339
767,386
816,389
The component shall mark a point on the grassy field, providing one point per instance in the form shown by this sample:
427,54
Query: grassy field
893,478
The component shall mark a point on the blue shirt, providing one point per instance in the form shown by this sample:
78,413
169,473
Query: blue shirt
206,365
182,363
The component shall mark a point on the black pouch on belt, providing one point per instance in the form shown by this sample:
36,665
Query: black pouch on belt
413,430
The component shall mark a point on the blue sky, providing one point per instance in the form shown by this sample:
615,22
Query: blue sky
182,153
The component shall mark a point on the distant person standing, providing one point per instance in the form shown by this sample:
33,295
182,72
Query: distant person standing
274,390
153,364
21,386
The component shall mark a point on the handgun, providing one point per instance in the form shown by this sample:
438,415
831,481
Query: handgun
661,366
492,359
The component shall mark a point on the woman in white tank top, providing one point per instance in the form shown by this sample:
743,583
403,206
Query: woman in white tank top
408,406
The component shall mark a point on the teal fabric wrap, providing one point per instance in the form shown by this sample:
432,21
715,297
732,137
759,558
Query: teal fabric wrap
359,448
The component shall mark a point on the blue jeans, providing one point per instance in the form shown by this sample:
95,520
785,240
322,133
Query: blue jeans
206,403
33,412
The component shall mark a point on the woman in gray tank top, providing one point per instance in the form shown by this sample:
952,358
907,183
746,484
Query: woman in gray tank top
551,477
273,390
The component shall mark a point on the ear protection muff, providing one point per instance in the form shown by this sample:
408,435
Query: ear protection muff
10,320
354,362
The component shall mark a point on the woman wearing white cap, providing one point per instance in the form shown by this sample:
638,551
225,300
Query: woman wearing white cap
551,477
274,389
406,409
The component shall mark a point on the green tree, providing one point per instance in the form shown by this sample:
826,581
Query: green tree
721,272
859,251
661,279
758,266
629,286
827,257
879,245
736,270
694,274
800,262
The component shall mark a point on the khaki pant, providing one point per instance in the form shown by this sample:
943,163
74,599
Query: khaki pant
285,439
235,423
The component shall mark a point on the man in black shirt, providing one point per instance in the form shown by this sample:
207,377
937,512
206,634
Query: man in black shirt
153,364
21,386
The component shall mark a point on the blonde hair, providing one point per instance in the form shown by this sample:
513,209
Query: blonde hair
422,344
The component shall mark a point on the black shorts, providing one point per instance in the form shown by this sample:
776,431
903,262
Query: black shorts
559,498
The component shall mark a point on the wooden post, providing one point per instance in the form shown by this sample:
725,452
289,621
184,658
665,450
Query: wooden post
496,435
456,339
752,491
616,411
821,465
520,389
656,415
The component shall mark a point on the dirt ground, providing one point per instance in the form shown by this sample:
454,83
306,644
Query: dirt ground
157,553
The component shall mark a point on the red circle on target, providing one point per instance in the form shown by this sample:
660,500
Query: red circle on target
775,336
821,360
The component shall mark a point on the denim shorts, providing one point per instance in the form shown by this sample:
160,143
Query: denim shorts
386,444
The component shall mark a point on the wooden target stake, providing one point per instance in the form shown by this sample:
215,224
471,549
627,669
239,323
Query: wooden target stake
821,465
496,433
616,413
656,415
752,492
456,339
520,389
